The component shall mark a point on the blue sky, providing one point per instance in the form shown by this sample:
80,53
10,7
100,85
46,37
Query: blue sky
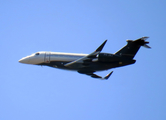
29,92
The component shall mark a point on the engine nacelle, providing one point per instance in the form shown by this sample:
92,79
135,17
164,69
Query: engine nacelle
107,57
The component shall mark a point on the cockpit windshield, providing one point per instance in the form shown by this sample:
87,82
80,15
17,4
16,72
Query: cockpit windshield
36,53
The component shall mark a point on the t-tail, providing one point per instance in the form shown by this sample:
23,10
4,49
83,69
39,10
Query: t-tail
132,47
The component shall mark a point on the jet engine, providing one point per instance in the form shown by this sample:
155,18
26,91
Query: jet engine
107,57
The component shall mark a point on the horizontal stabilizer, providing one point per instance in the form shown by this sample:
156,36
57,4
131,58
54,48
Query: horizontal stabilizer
146,46
142,41
144,38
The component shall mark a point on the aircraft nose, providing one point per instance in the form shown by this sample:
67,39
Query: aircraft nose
25,60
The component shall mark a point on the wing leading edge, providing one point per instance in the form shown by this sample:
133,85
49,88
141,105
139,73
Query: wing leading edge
89,57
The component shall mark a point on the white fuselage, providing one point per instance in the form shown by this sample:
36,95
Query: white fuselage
47,57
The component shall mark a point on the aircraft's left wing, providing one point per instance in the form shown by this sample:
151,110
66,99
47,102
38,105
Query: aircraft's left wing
87,58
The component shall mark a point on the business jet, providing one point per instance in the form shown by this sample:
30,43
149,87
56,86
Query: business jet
89,63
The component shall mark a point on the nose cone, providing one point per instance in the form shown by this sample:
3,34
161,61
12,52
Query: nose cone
25,60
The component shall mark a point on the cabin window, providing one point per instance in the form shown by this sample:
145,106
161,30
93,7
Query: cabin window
37,54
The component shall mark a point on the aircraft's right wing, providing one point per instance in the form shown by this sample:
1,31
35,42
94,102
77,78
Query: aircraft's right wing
88,58
97,76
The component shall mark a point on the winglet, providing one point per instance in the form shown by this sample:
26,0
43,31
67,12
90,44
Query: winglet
107,76
101,46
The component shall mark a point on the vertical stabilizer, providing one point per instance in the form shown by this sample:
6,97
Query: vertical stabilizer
132,47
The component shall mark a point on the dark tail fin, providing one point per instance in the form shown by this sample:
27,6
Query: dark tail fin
132,47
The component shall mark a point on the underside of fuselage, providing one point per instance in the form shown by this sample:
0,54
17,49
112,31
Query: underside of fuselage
94,66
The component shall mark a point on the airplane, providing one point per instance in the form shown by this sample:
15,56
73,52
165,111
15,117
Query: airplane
89,63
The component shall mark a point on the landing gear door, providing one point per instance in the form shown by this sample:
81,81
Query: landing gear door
47,57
